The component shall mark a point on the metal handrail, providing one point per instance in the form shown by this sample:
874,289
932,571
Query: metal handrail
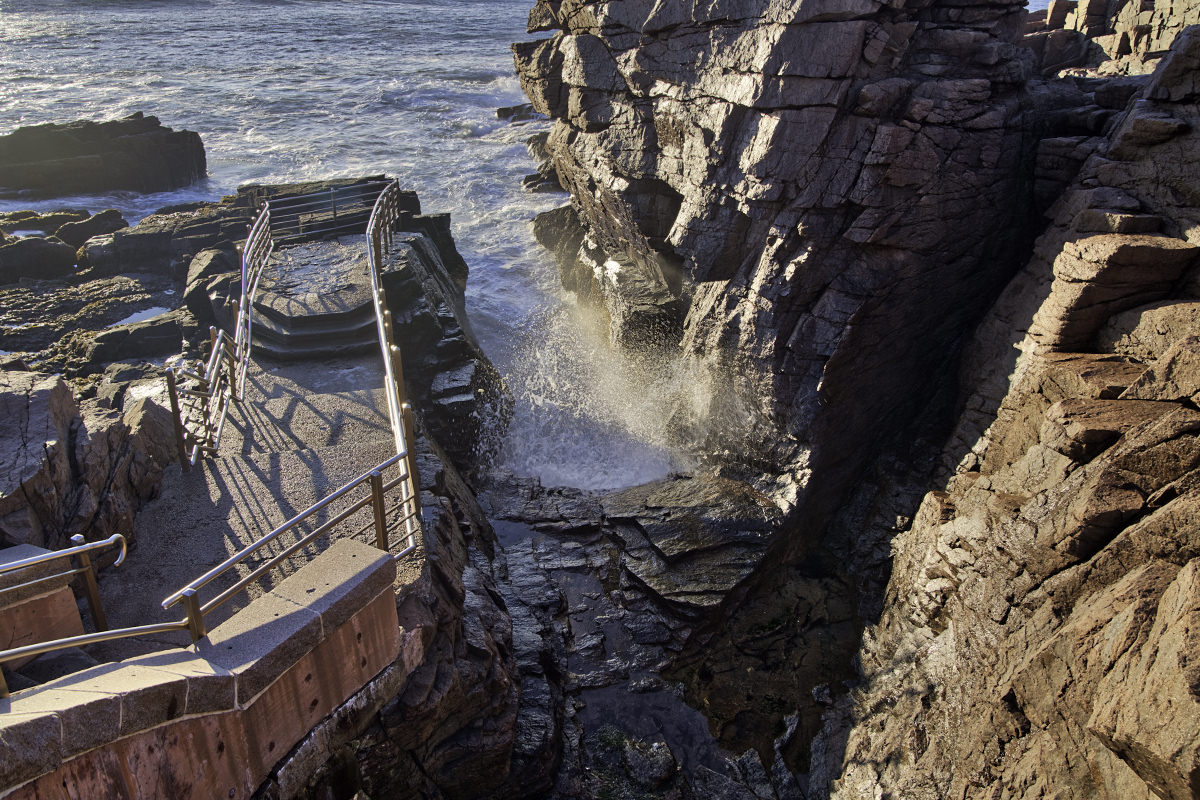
82,550
288,211
188,595
89,547
380,229
223,379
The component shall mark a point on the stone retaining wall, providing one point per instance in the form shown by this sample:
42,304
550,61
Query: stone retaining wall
211,720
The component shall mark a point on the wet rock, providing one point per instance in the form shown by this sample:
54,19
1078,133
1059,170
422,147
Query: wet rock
76,233
649,765
46,222
135,153
160,336
37,258
519,113
460,393
46,317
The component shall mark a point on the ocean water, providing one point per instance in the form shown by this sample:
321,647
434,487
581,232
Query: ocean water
288,90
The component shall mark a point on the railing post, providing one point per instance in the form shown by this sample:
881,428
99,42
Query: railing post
381,537
90,588
333,203
177,418
3,683
195,617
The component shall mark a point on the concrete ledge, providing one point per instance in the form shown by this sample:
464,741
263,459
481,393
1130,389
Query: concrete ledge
261,641
212,720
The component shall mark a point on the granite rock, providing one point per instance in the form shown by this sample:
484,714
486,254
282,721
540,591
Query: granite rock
135,153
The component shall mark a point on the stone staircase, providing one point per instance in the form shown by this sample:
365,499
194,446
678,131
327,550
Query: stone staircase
314,302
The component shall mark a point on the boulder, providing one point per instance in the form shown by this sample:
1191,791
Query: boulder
76,233
47,222
135,153
153,338
37,258
202,269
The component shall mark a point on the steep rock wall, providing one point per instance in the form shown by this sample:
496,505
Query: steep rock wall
820,257
817,197
1038,635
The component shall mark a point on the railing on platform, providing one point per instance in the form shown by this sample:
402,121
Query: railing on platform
205,403
319,214
199,409
387,512
81,552
376,498
380,229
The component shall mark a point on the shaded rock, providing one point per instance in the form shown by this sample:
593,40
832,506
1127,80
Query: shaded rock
160,336
34,257
135,153
46,222
76,233
649,765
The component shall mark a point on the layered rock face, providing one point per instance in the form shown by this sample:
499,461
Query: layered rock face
1039,631
815,197
68,469
820,201
1116,37
135,153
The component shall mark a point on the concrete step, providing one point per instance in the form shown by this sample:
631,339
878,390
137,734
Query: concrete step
312,352
314,330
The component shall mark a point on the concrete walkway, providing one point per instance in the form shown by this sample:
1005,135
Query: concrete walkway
304,429
291,442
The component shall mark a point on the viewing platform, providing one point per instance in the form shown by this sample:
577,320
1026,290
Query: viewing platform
296,517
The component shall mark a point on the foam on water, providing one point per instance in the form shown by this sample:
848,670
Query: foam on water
290,90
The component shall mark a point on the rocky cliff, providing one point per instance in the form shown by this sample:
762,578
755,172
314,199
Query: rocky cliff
789,188
819,202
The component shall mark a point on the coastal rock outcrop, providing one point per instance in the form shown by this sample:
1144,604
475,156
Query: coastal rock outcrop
1049,575
71,469
135,153
828,198
779,188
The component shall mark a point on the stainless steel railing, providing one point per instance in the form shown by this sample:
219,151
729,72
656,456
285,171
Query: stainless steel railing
204,405
200,406
376,498
387,513
81,552
380,229
317,214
